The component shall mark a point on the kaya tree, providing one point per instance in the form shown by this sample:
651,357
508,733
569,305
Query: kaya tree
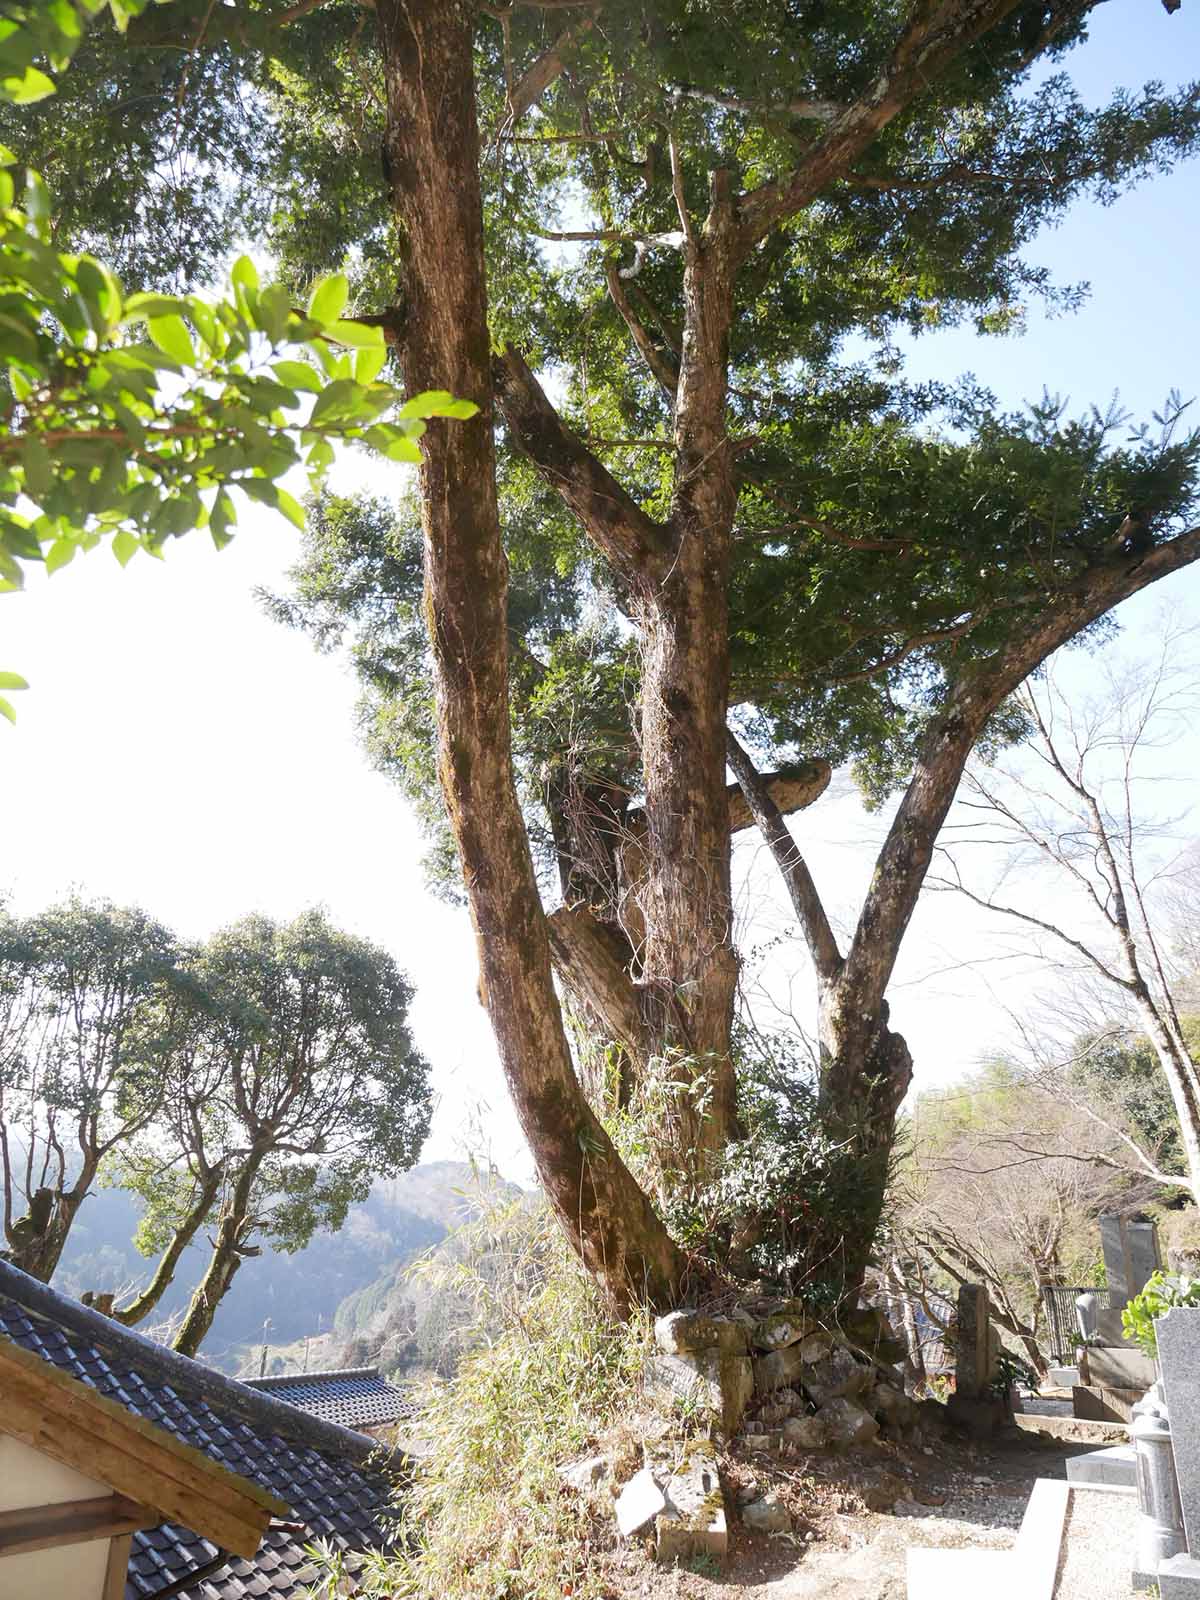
92,999
297,1085
784,541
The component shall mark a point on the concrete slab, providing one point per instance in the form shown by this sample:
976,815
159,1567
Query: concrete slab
1062,1377
1027,1570
1039,1540
1074,1429
1179,1579
1119,1368
1114,1468
640,1502
985,1574
1093,1403
693,1521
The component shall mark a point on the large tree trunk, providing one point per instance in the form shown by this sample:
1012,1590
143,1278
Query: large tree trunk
866,1073
433,146
226,1258
689,966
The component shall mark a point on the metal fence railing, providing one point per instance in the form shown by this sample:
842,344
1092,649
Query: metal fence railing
1062,1327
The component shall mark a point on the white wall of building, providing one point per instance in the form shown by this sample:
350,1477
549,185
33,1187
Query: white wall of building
71,1572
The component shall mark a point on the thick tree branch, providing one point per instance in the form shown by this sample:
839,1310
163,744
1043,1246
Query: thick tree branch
551,64
805,110
790,789
592,959
806,902
632,541
930,41
662,363
705,498
982,688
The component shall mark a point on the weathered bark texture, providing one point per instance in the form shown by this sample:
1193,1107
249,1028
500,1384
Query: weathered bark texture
688,962
433,144
35,1242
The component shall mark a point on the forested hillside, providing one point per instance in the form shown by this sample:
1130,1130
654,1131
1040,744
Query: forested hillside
301,1293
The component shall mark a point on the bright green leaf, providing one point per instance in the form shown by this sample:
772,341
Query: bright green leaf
329,297
31,85
297,375
291,508
359,335
244,274
369,363
60,553
124,545
171,336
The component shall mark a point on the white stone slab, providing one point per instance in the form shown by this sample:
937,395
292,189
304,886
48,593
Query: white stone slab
937,1574
1028,1570
1039,1539
640,1502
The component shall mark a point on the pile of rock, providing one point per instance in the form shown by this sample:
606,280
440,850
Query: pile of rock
676,1498
771,1372
787,1382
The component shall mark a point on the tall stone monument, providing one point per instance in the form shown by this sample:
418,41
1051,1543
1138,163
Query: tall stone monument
1114,1373
1178,1334
1131,1255
975,1403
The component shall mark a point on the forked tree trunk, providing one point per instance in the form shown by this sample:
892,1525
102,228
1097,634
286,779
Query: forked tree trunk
867,1070
36,1241
433,146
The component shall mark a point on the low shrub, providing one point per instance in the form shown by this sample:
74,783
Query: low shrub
1163,1291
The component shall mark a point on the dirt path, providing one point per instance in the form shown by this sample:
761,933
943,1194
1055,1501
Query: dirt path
839,1550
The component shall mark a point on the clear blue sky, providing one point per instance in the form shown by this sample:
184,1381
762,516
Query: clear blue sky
180,750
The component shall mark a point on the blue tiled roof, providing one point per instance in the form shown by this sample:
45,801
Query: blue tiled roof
356,1398
338,1484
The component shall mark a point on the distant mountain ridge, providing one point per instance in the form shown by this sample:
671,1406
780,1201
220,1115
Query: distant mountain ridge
277,1298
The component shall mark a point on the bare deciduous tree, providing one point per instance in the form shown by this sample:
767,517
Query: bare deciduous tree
1086,802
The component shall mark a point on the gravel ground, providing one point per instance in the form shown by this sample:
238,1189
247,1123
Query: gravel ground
1097,1552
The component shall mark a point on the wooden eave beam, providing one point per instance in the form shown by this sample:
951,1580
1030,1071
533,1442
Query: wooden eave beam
105,1516
72,1423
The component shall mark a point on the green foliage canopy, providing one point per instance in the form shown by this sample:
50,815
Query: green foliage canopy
299,1069
131,417
888,535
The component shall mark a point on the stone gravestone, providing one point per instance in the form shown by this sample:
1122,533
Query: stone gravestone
973,1364
1131,1255
974,1403
1179,1358
1114,1373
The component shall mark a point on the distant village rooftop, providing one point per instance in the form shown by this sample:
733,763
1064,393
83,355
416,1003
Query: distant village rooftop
356,1397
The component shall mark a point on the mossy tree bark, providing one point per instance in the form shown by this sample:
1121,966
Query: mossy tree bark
433,144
